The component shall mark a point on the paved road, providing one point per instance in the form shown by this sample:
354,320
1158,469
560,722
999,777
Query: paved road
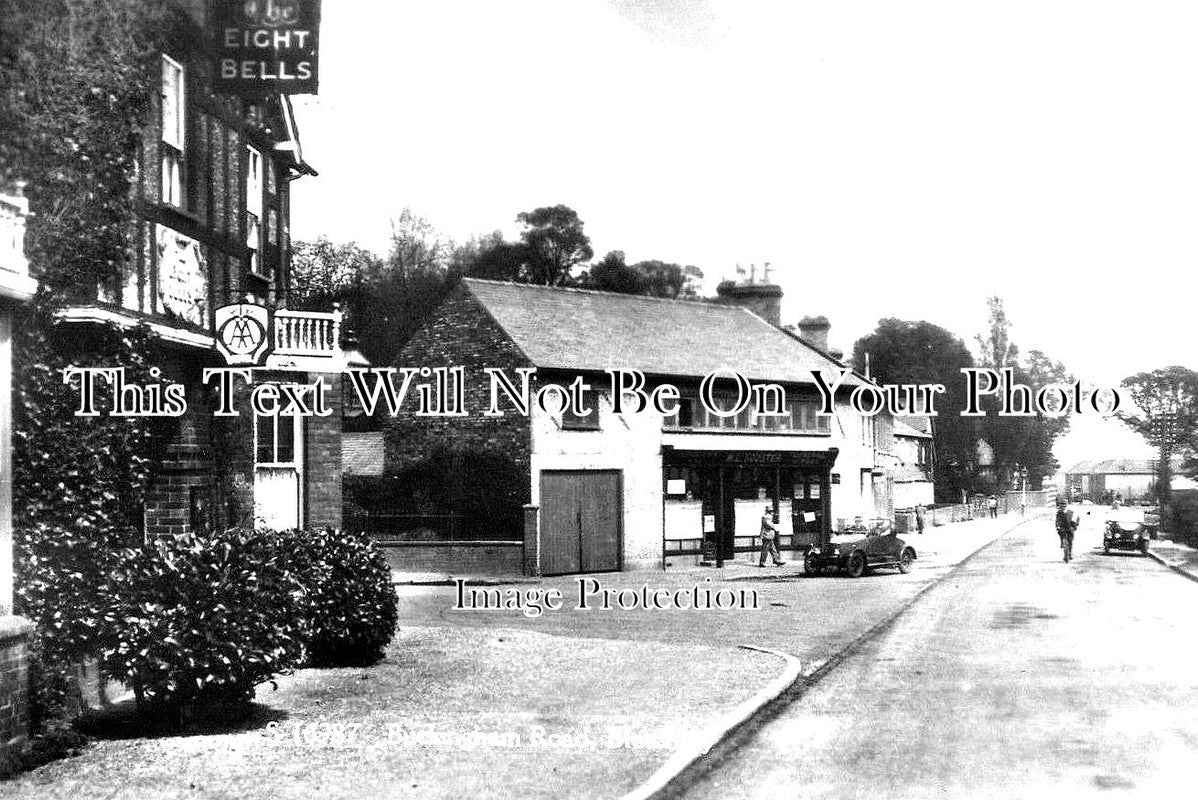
1018,676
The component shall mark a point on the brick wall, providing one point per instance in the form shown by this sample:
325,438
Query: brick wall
461,333
322,462
14,687
186,472
456,559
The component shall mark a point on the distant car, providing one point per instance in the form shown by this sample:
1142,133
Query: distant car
857,549
1125,534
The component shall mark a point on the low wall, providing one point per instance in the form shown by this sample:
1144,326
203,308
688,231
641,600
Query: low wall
456,558
14,687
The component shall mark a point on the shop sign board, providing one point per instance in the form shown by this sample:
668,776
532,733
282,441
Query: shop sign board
266,47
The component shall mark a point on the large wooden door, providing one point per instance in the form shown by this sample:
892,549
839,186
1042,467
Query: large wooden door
580,521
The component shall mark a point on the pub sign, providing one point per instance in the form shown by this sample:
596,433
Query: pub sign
266,47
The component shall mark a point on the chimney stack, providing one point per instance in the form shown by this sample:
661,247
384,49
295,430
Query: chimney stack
763,299
814,331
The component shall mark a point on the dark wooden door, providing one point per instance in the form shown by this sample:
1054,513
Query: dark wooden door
580,521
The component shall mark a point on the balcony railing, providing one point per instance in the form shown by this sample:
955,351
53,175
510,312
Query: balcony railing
307,333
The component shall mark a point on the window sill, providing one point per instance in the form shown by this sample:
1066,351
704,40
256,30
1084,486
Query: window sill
259,276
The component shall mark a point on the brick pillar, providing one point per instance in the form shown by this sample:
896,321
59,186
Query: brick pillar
322,461
14,688
532,540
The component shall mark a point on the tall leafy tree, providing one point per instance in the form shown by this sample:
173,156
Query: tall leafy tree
1019,441
556,244
1165,413
900,352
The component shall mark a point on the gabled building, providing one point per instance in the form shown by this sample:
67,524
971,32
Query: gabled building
913,467
608,491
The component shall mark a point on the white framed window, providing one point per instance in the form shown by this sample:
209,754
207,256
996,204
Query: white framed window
253,208
174,132
276,440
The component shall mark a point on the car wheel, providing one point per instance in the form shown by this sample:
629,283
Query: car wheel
810,563
856,565
905,561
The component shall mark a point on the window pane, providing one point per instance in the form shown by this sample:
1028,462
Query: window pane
172,178
264,430
172,103
285,453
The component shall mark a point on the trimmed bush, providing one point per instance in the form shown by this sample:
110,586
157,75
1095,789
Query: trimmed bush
350,603
202,618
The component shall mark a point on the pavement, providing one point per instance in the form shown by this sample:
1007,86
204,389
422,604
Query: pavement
528,701
1177,556
1016,676
937,547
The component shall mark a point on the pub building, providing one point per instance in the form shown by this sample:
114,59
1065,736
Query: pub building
607,491
212,230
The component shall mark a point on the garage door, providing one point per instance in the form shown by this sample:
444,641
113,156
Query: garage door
580,521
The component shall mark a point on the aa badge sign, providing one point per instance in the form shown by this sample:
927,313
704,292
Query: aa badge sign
266,47
241,332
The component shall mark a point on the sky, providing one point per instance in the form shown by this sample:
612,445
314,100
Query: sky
888,159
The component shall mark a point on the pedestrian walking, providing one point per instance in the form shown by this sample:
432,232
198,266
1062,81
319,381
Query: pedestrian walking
1067,523
769,537
919,512
993,504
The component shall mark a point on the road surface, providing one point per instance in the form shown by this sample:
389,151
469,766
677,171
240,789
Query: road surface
1018,676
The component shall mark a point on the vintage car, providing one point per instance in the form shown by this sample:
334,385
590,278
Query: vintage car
1124,533
858,548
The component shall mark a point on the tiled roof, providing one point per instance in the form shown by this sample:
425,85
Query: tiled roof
577,329
362,453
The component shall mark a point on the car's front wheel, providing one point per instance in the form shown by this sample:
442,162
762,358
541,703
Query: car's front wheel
905,561
856,565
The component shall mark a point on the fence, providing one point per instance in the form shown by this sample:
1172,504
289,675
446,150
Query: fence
979,507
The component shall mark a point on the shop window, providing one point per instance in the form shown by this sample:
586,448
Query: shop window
579,422
174,127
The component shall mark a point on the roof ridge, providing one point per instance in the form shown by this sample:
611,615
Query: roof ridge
702,301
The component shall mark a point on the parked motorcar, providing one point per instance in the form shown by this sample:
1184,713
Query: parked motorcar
859,548
1125,534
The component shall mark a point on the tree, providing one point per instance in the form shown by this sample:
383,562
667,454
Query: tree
1166,414
612,274
556,244
324,272
1019,441
385,300
919,352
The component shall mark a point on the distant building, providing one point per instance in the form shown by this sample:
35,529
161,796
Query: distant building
1130,478
913,474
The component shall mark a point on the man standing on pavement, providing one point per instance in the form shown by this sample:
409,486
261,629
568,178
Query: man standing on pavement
769,537
1067,523
993,503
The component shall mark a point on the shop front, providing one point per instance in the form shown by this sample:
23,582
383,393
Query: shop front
713,500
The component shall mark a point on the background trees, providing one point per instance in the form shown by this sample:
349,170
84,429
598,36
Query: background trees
1166,414
1019,441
